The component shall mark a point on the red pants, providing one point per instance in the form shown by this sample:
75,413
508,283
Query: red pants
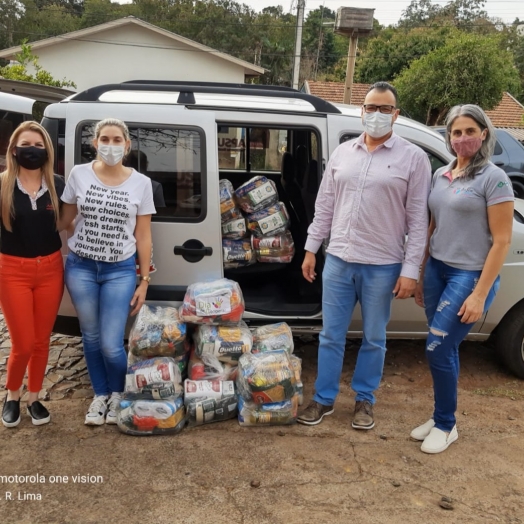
30,294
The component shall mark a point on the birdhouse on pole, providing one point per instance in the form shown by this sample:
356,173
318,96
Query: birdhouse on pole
353,22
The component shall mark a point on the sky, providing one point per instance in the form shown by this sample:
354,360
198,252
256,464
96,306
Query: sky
389,11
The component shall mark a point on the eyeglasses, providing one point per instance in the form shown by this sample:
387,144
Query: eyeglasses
371,108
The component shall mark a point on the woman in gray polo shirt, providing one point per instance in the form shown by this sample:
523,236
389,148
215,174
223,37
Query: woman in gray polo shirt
471,205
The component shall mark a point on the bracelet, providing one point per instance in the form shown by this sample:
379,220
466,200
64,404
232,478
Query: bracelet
146,279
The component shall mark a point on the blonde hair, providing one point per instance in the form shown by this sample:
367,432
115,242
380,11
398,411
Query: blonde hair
112,122
8,177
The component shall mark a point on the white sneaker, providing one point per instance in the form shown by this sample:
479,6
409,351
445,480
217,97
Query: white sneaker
112,406
97,411
438,441
421,432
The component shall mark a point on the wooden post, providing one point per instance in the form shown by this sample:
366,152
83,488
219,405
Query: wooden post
350,71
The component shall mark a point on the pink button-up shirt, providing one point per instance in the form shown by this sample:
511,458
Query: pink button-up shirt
368,202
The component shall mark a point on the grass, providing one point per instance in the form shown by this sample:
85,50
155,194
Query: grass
510,390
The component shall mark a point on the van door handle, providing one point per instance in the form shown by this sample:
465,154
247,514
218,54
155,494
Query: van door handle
500,164
193,251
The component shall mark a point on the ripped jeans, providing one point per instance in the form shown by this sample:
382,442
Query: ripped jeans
445,290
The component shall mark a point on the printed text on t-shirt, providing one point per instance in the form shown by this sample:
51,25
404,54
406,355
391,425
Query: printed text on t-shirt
105,211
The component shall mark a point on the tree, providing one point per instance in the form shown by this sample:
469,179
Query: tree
48,20
393,50
19,71
464,14
10,13
469,68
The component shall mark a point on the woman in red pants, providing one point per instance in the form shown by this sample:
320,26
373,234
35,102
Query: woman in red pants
31,269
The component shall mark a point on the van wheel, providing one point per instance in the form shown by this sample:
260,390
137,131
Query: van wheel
518,187
510,341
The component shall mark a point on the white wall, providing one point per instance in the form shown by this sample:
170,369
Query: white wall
102,61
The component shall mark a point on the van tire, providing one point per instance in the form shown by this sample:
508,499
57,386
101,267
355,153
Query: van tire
518,186
510,341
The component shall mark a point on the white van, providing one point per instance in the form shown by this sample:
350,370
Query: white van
188,136
14,110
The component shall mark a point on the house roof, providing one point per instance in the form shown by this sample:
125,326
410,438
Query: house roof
334,91
516,132
84,34
39,92
509,112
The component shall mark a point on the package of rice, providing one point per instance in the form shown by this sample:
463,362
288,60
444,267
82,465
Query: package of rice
255,194
269,221
234,229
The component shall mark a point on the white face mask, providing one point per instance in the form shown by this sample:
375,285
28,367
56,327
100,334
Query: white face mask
111,155
377,124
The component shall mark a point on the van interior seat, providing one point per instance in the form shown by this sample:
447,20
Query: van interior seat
302,161
293,193
310,189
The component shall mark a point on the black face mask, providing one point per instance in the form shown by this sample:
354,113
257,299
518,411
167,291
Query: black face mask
31,157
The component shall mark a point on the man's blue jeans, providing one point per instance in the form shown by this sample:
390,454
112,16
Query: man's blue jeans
445,290
101,293
344,284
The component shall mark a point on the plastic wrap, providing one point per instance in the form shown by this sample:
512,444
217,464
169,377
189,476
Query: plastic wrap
150,417
154,379
157,332
237,253
235,229
276,414
208,367
271,337
296,362
226,343
209,401
228,207
216,302
266,378
257,193
270,221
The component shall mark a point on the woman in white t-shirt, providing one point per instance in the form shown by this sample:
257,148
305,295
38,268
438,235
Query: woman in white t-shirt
114,204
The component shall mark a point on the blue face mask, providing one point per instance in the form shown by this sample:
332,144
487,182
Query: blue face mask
377,124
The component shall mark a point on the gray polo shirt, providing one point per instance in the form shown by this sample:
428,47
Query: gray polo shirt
462,238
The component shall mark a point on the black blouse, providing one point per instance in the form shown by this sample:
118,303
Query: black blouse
34,231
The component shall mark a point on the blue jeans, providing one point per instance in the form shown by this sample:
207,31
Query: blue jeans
101,293
445,290
344,284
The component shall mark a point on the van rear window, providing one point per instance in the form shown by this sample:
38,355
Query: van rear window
171,157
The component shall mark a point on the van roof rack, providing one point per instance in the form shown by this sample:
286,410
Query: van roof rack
187,92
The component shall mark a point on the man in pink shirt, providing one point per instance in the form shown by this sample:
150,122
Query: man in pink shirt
373,193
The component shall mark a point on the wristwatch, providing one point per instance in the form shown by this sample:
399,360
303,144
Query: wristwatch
146,279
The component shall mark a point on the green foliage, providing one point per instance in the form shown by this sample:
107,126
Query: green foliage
463,14
469,68
267,38
41,76
393,50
